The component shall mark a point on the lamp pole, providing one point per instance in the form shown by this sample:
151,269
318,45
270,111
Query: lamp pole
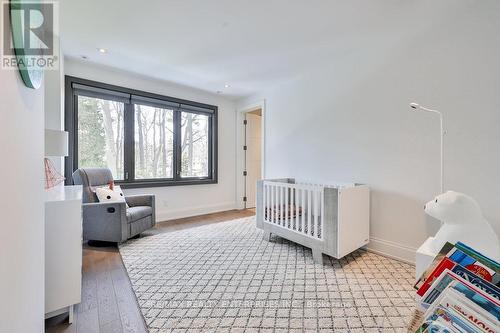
418,107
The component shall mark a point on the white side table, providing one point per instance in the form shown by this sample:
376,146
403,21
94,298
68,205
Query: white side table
424,257
63,250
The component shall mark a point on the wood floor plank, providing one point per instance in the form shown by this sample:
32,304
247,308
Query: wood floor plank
108,302
89,284
88,322
132,320
112,327
106,298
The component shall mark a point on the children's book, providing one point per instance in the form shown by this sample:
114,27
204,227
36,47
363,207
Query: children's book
479,267
480,319
442,254
479,256
448,278
475,295
448,318
437,326
488,288
448,261
477,281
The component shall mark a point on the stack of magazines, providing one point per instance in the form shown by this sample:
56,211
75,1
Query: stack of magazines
460,292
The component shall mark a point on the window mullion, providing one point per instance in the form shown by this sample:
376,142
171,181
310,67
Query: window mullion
177,145
129,147
210,147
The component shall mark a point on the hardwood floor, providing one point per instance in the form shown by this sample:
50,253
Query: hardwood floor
108,302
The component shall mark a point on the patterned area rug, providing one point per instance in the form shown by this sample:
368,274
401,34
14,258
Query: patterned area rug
224,278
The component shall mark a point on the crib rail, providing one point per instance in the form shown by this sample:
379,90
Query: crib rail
296,207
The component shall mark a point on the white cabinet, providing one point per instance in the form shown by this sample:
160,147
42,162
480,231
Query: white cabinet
424,257
63,249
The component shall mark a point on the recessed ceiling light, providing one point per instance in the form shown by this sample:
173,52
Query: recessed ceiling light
227,86
101,50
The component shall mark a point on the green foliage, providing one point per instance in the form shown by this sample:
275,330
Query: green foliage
91,135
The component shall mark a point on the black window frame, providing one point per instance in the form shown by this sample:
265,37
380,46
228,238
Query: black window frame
71,126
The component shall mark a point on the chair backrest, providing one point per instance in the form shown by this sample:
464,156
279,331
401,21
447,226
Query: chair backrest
89,178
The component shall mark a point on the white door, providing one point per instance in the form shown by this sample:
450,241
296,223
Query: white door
253,157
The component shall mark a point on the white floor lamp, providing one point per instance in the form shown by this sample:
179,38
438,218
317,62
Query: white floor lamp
418,107
424,254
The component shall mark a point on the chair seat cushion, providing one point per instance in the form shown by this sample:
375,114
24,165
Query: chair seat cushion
138,212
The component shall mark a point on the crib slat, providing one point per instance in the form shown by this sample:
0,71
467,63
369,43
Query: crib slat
304,208
322,202
278,199
277,205
275,202
266,202
269,202
309,211
281,206
286,207
271,213
297,208
297,205
273,196
292,208
316,213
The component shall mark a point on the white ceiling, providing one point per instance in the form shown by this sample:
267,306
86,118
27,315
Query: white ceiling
250,45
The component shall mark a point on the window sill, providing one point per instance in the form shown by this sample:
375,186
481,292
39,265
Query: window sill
165,183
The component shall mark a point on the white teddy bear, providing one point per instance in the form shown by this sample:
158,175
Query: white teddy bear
462,221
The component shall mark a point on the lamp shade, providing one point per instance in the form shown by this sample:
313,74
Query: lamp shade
56,143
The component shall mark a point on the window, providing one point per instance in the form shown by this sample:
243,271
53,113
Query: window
154,142
145,139
194,148
100,134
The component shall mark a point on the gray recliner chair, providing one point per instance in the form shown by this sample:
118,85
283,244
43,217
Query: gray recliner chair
112,222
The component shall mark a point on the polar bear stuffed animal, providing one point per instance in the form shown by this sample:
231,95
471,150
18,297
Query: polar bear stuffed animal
462,221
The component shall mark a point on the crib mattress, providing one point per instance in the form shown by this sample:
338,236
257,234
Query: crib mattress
275,211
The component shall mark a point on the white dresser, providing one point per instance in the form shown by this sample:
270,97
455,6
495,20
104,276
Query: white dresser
63,249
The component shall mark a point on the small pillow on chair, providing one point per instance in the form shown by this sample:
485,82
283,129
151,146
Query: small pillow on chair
104,194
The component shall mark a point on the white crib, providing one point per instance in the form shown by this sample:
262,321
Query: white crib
329,219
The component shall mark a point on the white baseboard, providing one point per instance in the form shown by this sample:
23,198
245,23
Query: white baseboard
392,250
171,214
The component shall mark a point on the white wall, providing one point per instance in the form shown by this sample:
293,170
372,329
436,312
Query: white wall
54,105
179,201
21,204
349,120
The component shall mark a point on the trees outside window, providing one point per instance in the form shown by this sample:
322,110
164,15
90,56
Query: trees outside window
154,142
194,147
100,134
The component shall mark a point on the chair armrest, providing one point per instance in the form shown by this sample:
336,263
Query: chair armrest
105,221
143,200
140,200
